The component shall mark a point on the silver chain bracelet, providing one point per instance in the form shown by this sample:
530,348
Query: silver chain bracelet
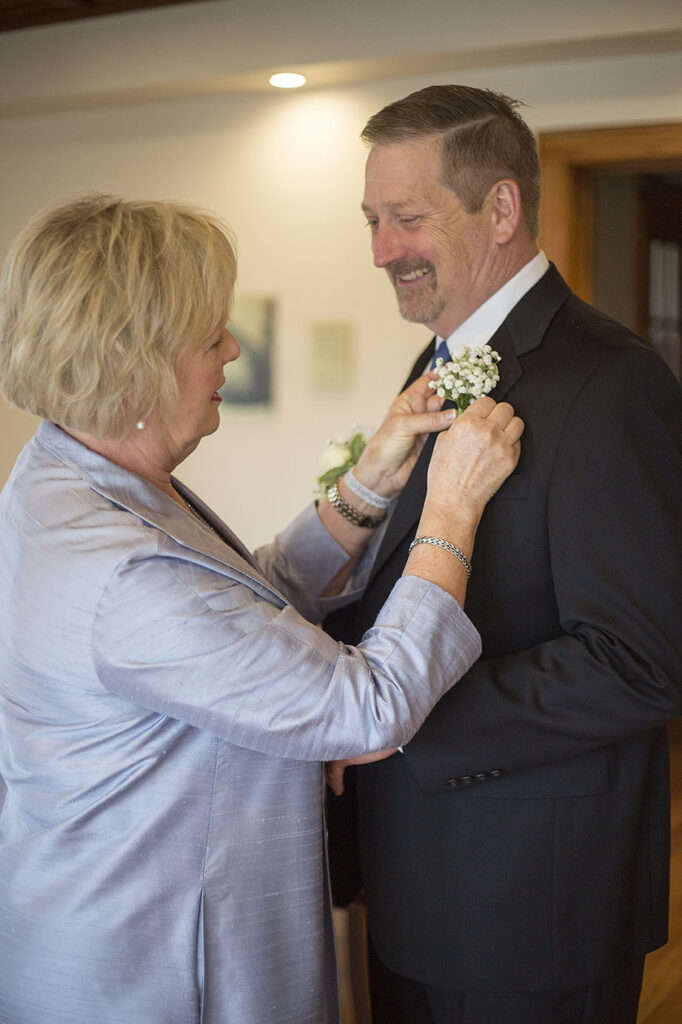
438,542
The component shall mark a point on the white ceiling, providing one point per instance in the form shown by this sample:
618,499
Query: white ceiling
227,46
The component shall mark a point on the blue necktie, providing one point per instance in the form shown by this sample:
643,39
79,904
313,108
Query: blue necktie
442,352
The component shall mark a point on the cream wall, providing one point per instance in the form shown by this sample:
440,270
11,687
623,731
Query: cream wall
286,171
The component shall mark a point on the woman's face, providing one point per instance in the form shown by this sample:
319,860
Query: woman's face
199,375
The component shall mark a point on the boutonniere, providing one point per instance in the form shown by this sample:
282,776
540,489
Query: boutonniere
471,374
337,458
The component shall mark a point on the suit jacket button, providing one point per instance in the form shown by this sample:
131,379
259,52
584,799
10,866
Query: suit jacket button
495,773
466,780
481,777
454,783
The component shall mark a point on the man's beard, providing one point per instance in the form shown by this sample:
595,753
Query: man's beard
422,305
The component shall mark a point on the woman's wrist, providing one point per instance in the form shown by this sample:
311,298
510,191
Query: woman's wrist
345,499
363,493
455,526
375,479
461,518
339,511
443,545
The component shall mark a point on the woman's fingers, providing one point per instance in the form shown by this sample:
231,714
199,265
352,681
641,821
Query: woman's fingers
499,413
515,429
473,458
416,423
387,460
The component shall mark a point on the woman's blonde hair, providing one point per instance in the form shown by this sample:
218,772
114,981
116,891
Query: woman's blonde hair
99,299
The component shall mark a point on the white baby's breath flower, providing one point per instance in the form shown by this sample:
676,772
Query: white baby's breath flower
472,373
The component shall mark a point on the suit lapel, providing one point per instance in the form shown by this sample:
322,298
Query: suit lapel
509,366
408,508
411,501
421,364
522,331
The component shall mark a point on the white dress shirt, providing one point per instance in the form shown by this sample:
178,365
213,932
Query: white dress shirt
479,328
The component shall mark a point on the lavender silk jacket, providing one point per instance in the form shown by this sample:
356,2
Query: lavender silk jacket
165,705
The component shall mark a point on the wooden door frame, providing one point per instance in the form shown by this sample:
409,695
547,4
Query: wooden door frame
570,161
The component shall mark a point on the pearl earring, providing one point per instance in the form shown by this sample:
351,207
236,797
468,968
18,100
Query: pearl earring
140,424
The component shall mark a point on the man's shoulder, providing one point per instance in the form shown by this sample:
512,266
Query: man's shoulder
579,344
586,335
566,311
571,324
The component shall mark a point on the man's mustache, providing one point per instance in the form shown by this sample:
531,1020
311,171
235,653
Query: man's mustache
401,268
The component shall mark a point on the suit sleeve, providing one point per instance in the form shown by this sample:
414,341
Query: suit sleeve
615,541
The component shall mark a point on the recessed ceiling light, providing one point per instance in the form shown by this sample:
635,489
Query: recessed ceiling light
287,80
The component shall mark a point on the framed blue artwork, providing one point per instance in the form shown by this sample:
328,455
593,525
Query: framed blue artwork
249,379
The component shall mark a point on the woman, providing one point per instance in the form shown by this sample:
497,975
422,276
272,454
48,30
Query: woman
166,702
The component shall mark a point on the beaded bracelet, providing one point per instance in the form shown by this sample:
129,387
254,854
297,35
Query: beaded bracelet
371,497
446,546
353,515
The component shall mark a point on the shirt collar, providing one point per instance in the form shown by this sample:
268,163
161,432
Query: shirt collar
479,328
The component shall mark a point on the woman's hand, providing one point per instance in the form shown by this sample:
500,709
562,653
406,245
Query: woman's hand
474,457
468,464
391,452
384,467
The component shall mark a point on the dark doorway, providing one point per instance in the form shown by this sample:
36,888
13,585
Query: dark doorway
637,245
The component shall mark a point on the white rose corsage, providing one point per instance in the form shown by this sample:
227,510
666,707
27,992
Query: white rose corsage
337,458
471,374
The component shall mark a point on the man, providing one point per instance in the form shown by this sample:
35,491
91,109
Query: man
515,855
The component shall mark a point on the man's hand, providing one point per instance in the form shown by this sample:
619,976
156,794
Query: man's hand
333,770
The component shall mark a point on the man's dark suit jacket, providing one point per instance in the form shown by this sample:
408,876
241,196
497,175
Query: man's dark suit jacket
521,842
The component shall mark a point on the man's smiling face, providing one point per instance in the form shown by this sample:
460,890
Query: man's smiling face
439,257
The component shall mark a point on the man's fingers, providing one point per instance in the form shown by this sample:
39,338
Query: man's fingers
333,770
333,773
